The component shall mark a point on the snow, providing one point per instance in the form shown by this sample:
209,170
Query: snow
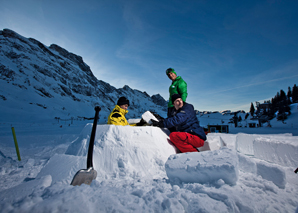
282,151
138,170
246,141
124,151
38,86
206,167
147,116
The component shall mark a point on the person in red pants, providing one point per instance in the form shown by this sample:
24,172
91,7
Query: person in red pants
189,135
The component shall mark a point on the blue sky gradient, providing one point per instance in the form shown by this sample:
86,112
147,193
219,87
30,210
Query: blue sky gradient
230,53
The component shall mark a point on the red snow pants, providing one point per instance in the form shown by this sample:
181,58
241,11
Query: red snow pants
186,142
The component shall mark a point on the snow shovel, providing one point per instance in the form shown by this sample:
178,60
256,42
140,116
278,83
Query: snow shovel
87,175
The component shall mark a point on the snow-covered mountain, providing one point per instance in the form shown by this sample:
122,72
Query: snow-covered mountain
47,82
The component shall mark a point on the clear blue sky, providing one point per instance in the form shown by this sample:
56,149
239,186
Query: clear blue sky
230,53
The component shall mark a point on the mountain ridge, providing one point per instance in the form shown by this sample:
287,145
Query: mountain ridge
30,68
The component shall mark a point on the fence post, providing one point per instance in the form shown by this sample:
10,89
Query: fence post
16,143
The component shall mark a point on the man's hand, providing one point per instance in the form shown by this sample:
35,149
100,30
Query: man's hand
158,117
157,123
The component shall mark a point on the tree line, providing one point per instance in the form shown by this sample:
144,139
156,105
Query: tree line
280,103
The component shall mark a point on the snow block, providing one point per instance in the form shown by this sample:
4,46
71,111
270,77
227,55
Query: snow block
244,142
228,139
214,143
247,164
267,171
272,173
282,151
147,116
204,167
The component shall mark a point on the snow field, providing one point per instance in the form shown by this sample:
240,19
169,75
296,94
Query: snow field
139,171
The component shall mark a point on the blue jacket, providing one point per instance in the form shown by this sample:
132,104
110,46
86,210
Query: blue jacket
185,120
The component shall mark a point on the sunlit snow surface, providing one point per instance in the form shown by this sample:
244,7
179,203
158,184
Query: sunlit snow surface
139,171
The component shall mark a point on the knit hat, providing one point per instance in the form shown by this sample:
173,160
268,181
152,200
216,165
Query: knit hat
175,96
169,70
122,101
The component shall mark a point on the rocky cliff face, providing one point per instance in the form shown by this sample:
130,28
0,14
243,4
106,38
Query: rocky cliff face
59,81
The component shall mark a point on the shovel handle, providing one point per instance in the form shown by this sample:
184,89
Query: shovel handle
91,143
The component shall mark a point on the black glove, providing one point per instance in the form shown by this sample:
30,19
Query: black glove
157,123
159,118
141,123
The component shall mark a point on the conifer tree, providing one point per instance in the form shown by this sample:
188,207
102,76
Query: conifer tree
252,109
282,95
289,94
277,97
246,116
295,94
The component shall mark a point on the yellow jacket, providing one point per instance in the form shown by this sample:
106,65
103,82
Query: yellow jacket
117,117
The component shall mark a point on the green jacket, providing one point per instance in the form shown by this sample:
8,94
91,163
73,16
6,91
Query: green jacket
178,86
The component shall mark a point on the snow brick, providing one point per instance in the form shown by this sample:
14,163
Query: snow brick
204,167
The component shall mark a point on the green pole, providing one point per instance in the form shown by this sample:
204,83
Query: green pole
16,143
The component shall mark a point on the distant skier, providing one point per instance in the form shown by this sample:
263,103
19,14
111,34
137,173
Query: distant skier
178,86
188,134
117,116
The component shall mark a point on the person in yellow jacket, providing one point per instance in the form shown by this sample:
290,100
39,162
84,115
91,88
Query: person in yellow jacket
117,116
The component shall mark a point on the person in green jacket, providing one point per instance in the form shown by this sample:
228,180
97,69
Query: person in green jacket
178,86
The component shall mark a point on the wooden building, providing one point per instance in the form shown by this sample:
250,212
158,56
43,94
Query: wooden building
218,128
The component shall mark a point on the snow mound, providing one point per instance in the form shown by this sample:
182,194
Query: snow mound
219,166
28,187
124,151
62,172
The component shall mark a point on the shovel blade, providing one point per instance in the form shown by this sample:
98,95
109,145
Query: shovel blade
84,176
